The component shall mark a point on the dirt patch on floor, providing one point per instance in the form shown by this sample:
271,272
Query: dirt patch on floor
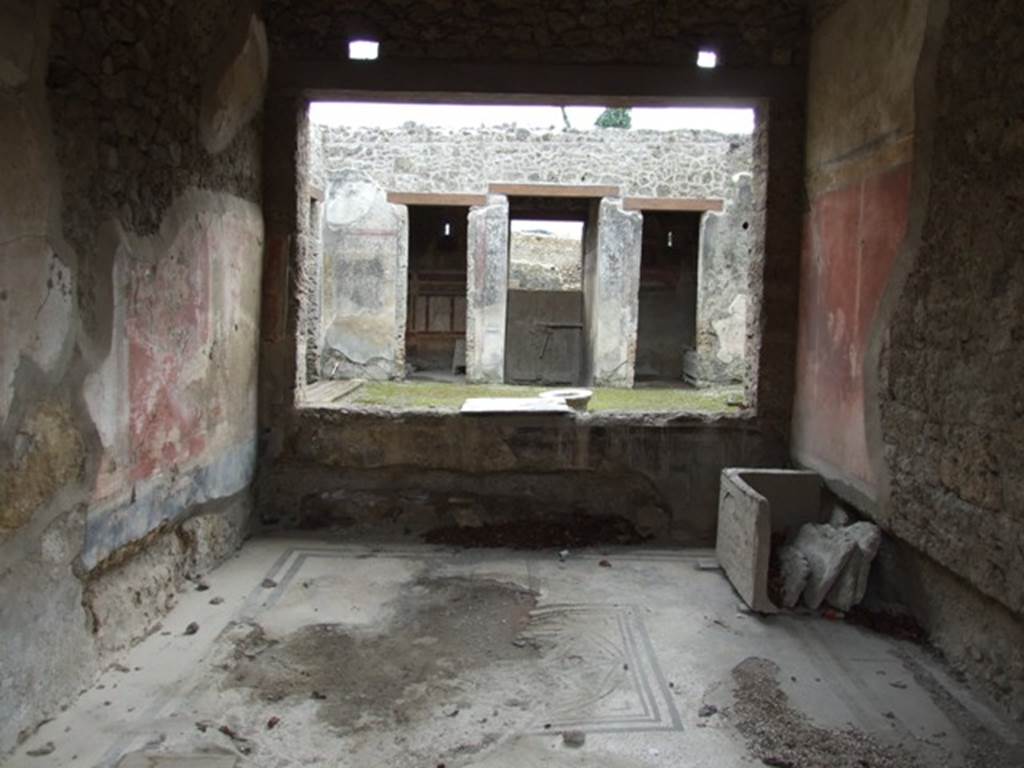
569,533
405,670
779,735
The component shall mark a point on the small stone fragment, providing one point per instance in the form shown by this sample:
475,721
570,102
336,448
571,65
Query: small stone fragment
272,722
852,583
268,583
192,628
241,743
707,710
216,600
42,751
574,739
794,570
604,564
827,551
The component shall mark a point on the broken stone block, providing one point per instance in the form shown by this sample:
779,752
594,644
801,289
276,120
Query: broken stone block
827,551
852,583
795,570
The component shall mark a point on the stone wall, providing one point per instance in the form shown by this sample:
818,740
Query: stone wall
544,263
427,469
417,158
130,250
729,242
951,373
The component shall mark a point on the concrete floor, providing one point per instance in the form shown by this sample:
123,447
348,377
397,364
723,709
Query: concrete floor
314,653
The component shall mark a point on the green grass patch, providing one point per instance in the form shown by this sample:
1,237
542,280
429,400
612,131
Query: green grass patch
425,394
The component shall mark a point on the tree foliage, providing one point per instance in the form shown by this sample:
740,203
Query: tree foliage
614,117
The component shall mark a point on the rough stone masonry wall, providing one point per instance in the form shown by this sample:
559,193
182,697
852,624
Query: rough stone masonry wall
544,263
130,248
426,469
769,33
417,158
952,374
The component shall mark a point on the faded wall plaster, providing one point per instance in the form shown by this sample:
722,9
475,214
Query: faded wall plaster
859,145
129,292
364,276
487,290
611,295
730,242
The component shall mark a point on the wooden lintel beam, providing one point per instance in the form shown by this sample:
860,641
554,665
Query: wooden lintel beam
673,204
436,198
554,190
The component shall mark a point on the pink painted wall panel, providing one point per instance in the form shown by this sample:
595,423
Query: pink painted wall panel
851,238
168,326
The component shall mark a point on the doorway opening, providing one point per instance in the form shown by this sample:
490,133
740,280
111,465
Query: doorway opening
435,336
667,315
544,333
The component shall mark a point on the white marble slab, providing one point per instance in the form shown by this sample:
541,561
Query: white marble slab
532,405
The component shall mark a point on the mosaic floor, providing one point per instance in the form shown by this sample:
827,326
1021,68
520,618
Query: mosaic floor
362,654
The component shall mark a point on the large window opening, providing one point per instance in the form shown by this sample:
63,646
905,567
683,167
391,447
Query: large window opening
499,250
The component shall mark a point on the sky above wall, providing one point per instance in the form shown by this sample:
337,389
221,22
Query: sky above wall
363,114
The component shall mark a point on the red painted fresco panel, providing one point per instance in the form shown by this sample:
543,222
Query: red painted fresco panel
851,239
168,326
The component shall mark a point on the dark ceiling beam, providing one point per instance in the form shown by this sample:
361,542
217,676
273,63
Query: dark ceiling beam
412,80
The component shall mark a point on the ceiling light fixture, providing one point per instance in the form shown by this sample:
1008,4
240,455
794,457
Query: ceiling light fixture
707,59
363,50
